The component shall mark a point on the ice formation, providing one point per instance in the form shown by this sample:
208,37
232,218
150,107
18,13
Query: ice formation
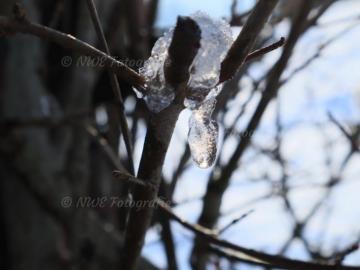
216,39
158,95
203,134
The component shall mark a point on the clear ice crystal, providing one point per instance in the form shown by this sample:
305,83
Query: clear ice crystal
159,95
193,103
138,93
216,39
203,134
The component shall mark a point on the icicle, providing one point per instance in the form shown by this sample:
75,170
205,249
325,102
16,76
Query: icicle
203,134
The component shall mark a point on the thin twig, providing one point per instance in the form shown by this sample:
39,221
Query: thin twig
256,257
317,54
234,221
246,39
265,50
114,85
9,26
130,178
349,136
104,145
341,255
210,236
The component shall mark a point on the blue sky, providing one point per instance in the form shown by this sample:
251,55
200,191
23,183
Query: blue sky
170,9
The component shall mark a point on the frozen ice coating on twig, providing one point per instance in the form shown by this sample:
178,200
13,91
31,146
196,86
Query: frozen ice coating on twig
158,94
216,39
203,134
194,103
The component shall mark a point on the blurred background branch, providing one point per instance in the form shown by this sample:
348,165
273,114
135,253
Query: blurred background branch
288,150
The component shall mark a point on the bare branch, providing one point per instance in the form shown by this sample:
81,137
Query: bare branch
10,26
114,85
246,39
235,221
219,183
235,252
265,50
255,257
351,138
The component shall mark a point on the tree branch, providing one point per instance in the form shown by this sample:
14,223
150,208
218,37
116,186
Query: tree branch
252,256
234,251
114,84
246,39
260,52
9,26
158,136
